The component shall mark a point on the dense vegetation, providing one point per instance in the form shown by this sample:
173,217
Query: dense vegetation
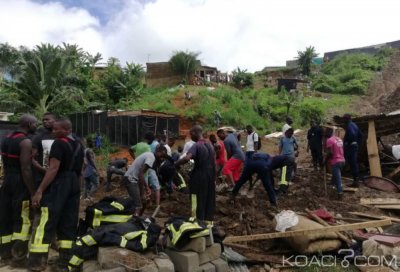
350,73
63,79
66,79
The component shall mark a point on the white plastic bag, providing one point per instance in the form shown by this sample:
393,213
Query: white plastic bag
286,219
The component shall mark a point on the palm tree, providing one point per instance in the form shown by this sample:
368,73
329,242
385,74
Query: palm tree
185,63
304,59
40,85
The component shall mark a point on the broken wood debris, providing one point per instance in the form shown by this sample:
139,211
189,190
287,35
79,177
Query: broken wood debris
370,216
379,201
266,236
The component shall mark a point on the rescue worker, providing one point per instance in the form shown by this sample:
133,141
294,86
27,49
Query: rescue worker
135,182
352,141
58,198
41,145
263,164
202,178
117,167
17,188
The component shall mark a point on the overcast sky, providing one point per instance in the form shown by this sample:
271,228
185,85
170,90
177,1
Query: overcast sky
248,34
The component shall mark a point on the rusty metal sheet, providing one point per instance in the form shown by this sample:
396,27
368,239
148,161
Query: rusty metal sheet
382,184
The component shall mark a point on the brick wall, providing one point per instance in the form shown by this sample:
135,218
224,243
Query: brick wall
160,75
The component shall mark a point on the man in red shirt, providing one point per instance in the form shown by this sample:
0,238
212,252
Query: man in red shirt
335,157
220,153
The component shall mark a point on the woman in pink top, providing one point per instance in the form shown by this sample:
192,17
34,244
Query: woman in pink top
335,157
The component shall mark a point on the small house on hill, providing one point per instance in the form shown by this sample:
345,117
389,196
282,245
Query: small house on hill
160,74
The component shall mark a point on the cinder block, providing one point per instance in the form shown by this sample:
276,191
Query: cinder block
212,253
221,265
197,245
164,264
187,261
207,267
209,242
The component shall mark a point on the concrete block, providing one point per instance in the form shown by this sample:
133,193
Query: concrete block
187,261
197,245
221,265
164,264
209,242
212,253
107,256
207,267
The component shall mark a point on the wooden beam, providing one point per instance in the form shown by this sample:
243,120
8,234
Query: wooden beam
324,223
350,189
388,207
394,172
266,236
370,216
373,152
379,201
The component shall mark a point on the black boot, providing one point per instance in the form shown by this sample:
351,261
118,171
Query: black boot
356,183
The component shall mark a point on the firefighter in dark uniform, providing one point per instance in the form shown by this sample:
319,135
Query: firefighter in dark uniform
263,164
58,198
17,188
202,178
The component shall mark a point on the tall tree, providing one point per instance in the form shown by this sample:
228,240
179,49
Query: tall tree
304,59
185,63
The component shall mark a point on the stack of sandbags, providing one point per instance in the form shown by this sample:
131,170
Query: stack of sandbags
312,243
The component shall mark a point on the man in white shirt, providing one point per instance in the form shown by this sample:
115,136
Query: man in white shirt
252,142
134,178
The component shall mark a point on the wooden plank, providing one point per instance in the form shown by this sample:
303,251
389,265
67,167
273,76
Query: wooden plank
388,207
370,216
373,152
350,190
379,201
394,172
266,236
387,240
324,223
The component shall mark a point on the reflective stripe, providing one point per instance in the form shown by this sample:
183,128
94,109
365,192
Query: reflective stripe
5,239
202,233
78,243
143,241
96,218
24,235
115,218
65,244
283,177
89,240
176,234
194,205
39,248
183,184
123,242
134,234
44,217
117,205
76,261
209,223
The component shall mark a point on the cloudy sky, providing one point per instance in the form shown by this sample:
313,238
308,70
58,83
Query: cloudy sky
249,34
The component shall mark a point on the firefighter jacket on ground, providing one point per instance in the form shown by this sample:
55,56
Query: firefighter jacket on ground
109,210
137,234
181,229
